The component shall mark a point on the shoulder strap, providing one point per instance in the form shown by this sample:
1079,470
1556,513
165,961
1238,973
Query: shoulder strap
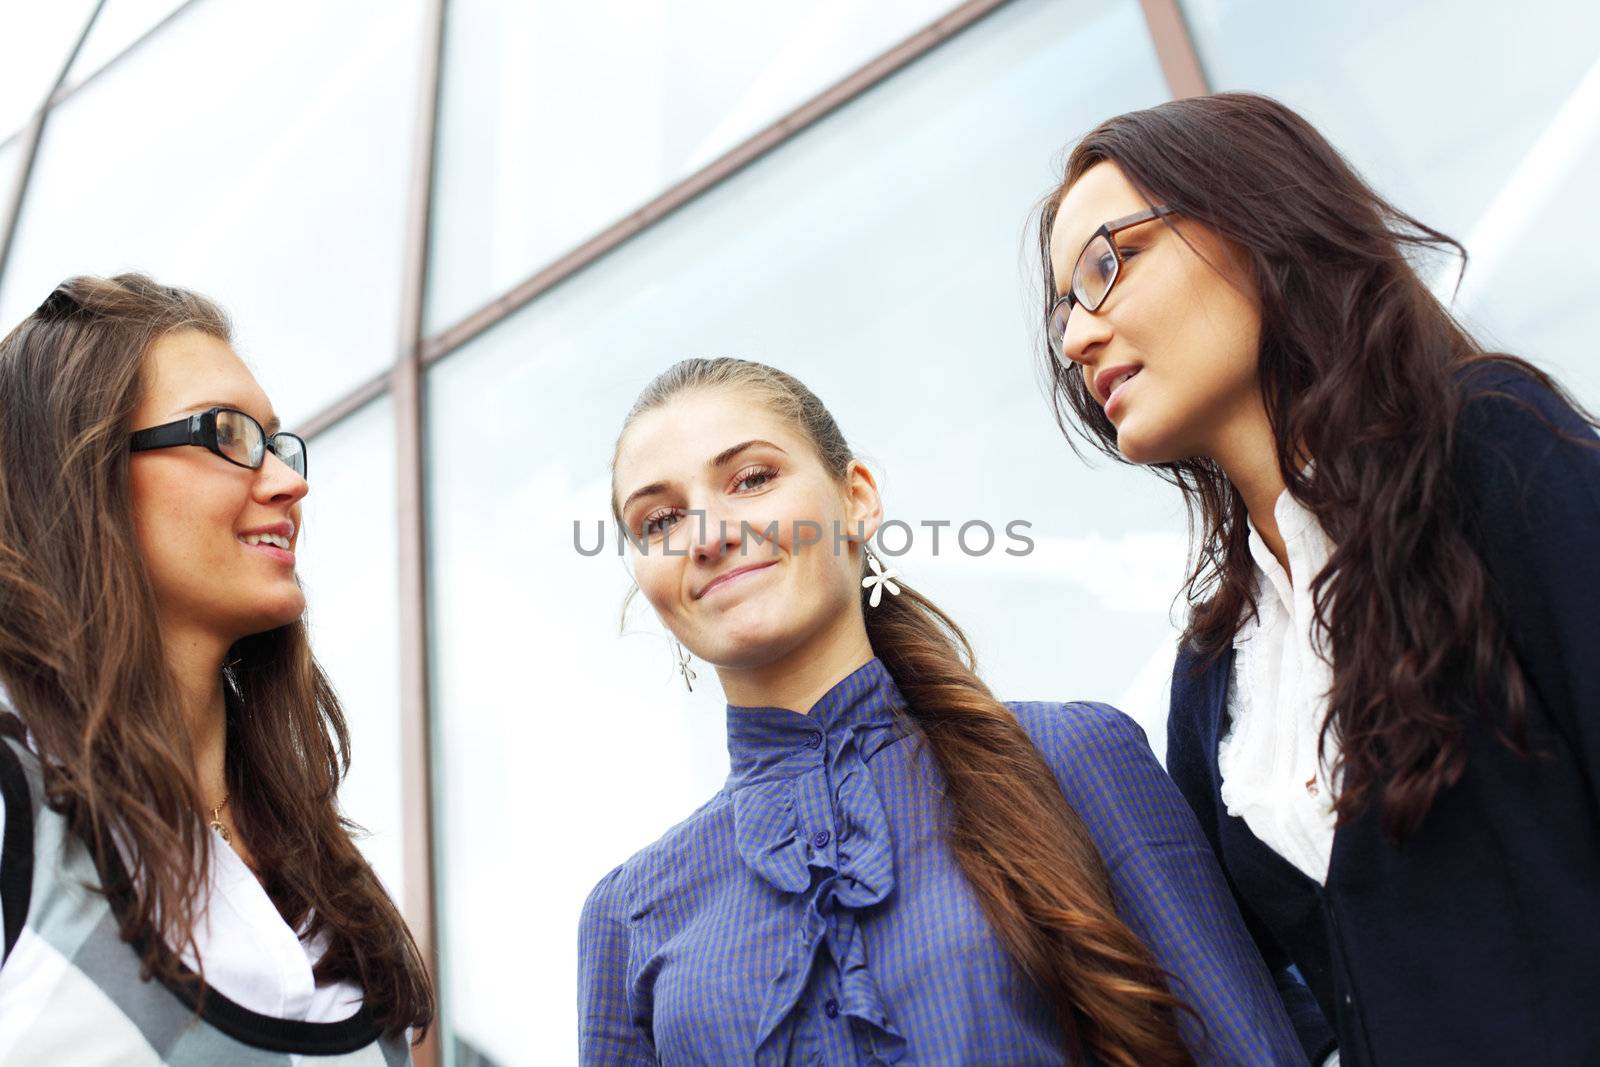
16,851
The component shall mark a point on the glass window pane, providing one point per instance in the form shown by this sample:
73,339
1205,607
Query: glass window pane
349,564
237,154
1480,118
121,22
879,256
559,119
35,39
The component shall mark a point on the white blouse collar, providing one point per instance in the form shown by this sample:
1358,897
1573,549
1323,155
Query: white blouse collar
1303,543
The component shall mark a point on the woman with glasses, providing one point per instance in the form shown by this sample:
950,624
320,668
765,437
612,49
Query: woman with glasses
1385,710
176,884
900,867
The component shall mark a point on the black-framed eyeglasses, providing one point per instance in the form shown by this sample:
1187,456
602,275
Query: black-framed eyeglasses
1098,266
231,434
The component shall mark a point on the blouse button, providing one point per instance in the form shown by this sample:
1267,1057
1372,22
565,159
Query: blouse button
820,839
814,741
831,1008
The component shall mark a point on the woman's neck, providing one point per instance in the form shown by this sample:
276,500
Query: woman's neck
195,661
1248,455
802,677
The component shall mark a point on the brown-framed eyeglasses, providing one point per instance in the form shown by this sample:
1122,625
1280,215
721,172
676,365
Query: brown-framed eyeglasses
1097,269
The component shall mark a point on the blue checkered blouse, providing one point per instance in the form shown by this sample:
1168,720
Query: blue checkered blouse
813,913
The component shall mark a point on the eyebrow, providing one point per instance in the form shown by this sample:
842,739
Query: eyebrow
718,460
272,425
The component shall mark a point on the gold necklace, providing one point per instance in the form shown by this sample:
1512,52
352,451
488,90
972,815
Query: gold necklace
216,820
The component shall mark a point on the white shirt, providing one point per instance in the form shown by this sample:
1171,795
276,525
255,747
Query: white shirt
252,956
1272,777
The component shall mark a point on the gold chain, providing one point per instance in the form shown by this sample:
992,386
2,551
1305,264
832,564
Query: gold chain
216,820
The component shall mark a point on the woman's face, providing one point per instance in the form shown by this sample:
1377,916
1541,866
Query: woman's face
199,518
733,518
1188,327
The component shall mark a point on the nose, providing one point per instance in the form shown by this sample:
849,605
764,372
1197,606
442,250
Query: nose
1086,333
711,537
277,483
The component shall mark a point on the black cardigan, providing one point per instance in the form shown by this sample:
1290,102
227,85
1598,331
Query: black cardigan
1477,940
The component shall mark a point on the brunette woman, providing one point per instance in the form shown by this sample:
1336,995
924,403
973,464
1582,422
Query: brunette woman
176,884
900,869
1385,710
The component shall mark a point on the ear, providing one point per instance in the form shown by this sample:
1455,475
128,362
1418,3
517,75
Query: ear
863,505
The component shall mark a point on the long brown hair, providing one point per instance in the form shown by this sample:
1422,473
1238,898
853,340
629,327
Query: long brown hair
81,658
1361,368
1027,855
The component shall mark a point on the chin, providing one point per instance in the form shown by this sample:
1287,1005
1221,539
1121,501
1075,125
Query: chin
281,612
1142,448
749,647
745,653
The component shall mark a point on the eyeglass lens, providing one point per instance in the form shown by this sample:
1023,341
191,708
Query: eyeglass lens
1096,270
292,450
1092,276
1058,325
240,438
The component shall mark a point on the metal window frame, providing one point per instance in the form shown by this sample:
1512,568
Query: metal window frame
1175,51
404,381
33,134
59,93
1175,48
719,170
405,386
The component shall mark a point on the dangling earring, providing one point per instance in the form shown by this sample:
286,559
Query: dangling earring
683,665
878,580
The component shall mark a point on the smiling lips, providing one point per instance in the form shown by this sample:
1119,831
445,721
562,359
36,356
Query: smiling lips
723,579
276,540
1111,380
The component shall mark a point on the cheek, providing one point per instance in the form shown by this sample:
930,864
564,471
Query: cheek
1203,344
181,520
656,581
828,574
161,535
1227,341
1229,323
1201,361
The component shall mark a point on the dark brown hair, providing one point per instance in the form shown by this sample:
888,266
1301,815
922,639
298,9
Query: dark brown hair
1360,368
1027,855
82,660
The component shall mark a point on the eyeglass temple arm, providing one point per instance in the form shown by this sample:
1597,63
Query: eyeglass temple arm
1155,212
183,432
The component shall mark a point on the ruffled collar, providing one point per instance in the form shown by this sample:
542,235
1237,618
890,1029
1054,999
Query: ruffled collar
809,822
768,743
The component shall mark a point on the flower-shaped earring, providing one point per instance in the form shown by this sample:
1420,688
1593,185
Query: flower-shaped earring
687,671
878,580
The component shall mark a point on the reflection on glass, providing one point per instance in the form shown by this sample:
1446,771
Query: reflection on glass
559,119
1481,118
348,559
880,256
238,154
35,40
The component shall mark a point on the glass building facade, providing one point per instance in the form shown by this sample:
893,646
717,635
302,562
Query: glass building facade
458,237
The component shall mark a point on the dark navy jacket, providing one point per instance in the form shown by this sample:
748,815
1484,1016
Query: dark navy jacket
1477,940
